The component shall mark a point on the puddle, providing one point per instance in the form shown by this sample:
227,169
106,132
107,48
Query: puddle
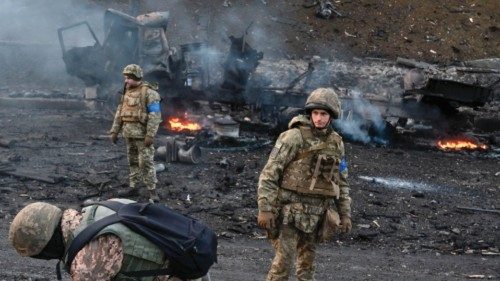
395,183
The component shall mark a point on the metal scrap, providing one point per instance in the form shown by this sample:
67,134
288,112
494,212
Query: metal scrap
326,10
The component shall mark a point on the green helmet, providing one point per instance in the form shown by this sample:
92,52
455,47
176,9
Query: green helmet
33,227
133,69
326,99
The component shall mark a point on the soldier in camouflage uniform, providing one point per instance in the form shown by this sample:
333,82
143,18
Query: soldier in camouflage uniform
43,231
138,116
305,176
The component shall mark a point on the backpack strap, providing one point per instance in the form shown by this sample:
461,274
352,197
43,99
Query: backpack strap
88,233
110,204
148,273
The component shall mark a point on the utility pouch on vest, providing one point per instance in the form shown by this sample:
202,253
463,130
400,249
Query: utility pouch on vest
134,106
315,168
329,225
326,167
304,217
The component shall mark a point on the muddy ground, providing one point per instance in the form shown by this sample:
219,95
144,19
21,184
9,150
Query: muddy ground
407,199
411,202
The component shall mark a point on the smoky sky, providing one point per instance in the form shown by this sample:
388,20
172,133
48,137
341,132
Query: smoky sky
211,22
29,45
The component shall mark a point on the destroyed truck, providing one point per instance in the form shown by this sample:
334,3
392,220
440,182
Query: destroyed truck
373,90
188,72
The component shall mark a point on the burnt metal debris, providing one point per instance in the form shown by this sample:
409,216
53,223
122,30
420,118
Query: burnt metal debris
326,10
403,89
450,86
177,149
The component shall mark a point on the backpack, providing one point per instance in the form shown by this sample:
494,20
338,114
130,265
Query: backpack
190,246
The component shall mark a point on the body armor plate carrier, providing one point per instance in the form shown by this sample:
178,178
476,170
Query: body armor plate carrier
315,169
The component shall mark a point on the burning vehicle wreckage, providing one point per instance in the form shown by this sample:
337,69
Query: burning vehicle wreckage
378,96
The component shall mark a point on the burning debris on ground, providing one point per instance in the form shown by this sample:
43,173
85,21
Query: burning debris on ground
422,140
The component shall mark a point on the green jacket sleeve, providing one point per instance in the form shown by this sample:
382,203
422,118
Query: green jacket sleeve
117,121
283,153
344,202
154,113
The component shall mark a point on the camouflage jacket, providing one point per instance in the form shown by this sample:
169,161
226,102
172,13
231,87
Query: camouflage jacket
148,125
100,259
271,195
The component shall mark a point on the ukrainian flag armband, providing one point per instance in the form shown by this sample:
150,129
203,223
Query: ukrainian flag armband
154,107
343,166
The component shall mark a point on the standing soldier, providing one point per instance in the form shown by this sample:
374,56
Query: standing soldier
138,116
303,184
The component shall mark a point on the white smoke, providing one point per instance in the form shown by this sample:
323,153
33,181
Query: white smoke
396,183
29,45
364,122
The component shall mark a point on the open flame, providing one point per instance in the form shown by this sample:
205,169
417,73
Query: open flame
178,124
460,143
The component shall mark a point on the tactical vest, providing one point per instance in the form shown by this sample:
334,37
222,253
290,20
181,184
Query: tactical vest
138,252
315,169
134,105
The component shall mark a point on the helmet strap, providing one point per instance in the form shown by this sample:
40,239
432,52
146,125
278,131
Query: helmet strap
55,248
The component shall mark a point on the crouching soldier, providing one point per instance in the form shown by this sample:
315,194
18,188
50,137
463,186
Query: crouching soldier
43,231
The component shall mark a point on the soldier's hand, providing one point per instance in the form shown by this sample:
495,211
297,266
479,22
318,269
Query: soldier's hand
266,220
148,141
345,224
114,137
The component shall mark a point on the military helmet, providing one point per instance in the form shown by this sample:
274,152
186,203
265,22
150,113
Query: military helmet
33,227
133,69
326,99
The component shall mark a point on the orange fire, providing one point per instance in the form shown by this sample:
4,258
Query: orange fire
177,124
461,143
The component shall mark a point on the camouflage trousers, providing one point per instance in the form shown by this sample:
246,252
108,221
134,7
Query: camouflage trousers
289,243
141,163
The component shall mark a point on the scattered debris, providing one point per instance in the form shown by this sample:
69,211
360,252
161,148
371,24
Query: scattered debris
159,167
178,149
349,34
7,143
476,276
31,174
479,210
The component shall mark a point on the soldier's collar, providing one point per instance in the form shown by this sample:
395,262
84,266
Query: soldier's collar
136,86
321,132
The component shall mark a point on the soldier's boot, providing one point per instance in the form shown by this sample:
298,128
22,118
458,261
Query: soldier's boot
130,192
153,196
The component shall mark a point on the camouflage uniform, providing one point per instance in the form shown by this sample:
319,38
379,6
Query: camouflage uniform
306,173
137,116
101,258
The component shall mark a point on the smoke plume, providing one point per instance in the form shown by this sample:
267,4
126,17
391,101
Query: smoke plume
364,123
29,45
